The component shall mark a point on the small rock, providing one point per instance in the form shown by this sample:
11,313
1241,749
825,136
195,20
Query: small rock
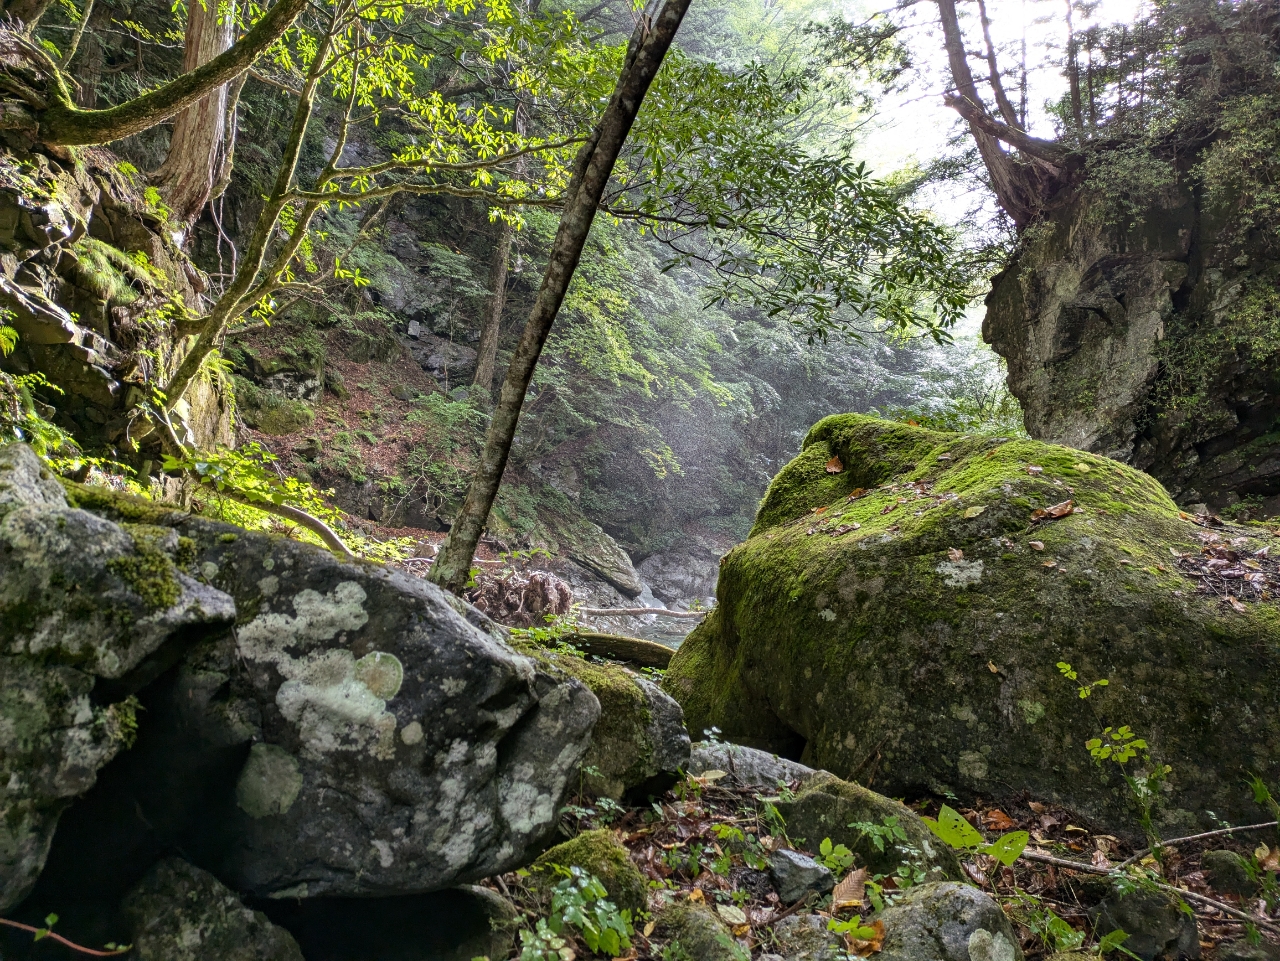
598,853
181,913
1155,922
747,766
804,937
946,921
403,392
827,807
1242,950
696,930
797,875
1228,872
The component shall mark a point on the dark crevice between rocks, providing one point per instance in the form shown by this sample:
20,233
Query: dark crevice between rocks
445,926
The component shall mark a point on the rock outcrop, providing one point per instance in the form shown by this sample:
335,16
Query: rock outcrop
82,600
358,732
906,616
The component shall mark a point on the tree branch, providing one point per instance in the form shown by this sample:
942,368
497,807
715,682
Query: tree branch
1046,150
66,124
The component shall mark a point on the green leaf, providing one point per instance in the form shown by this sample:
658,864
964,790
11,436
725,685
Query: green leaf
51,920
1008,847
954,830
1109,942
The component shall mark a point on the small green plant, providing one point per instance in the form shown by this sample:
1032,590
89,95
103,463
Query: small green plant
543,944
837,857
1083,690
888,831
853,928
1056,933
955,831
1119,746
581,902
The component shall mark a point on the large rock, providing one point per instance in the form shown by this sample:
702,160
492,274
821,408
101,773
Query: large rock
181,913
747,767
945,921
1156,923
383,738
913,632
1149,338
81,600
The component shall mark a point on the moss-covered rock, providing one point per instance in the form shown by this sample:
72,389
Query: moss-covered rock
905,616
882,833
81,599
640,742
692,932
946,921
599,853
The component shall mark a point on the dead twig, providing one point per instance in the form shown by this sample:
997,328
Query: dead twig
1196,837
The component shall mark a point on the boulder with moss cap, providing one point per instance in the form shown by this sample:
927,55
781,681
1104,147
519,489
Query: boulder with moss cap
83,603
899,610
598,853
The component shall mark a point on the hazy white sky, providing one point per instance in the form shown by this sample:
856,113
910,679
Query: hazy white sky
916,124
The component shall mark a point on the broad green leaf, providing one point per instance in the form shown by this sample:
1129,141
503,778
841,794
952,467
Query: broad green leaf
954,830
1008,847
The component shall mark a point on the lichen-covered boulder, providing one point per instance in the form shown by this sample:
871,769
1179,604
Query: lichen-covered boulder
640,744
882,833
367,733
181,913
82,600
945,921
598,853
900,609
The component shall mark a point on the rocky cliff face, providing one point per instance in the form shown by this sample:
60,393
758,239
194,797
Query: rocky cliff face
1148,339
101,296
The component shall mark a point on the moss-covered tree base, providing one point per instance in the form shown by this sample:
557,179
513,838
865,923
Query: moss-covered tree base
902,618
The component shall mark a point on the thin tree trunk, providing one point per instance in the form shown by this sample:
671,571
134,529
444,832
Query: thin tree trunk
997,85
199,140
1073,73
487,353
645,53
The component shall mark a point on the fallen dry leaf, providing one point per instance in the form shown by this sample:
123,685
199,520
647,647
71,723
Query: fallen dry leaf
997,820
858,492
1037,545
1236,606
889,507
732,914
955,554
820,510
697,895
991,666
872,945
834,466
1072,827
1034,469
1037,807
850,892
1049,564
1054,512
944,457
648,928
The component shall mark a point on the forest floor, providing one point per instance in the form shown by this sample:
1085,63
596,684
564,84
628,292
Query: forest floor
683,843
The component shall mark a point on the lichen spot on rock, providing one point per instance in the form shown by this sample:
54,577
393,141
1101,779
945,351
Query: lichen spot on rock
381,673
269,781
960,573
317,618
411,733
985,946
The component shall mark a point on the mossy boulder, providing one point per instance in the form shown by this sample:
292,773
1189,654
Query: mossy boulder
598,853
899,610
882,833
945,921
691,931
640,743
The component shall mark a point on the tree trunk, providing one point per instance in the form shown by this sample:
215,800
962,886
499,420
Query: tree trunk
199,142
28,11
1013,191
645,53
487,353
